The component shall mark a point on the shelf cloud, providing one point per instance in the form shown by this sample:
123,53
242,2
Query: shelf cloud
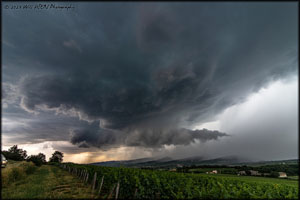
139,74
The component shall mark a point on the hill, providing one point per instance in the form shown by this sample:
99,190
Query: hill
169,162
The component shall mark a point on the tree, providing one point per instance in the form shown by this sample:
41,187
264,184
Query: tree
38,160
57,157
274,174
14,153
42,157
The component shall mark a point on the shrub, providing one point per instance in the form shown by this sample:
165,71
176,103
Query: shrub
29,168
274,174
38,160
15,174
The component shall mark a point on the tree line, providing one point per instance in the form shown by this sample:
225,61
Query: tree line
18,154
272,169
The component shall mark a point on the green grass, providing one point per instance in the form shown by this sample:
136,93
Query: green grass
203,170
291,182
293,177
46,182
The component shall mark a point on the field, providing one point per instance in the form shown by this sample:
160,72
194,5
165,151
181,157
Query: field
253,179
137,183
24,180
290,168
203,170
67,180
293,177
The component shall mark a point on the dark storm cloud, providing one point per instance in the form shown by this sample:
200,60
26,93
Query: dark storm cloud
149,138
157,138
154,68
20,127
9,94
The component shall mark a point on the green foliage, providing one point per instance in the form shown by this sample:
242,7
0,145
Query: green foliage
148,184
17,172
274,174
57,157
29,168
14,153
46,182
38,160
289,169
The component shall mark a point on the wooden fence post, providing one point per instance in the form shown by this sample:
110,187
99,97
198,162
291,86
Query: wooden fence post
94,181
111,192
100,185
117,190
135,193
87,177
83,173
83,176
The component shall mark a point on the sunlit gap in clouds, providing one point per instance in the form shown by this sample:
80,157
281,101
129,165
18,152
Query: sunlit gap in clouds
32,149
83,156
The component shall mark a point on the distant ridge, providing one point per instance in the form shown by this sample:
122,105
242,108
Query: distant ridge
134,162
196,160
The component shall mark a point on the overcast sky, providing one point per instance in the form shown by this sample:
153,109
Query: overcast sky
110,81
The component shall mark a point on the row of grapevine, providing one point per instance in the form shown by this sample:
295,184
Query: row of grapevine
110,182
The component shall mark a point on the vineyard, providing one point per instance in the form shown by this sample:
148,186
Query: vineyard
122,183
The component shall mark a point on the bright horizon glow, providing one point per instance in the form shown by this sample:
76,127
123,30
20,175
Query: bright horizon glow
254,101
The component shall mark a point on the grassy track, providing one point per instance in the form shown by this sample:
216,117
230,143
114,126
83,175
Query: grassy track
46,182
